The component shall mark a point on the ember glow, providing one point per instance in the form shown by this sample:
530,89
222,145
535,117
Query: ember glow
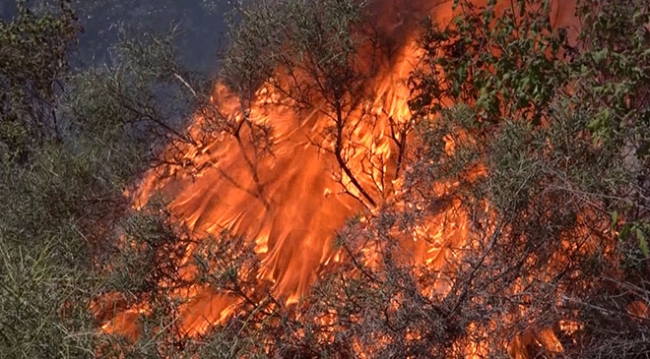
282,180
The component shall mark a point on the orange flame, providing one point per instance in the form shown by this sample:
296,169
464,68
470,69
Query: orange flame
289,202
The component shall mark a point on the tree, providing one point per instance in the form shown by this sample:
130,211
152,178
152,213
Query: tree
322,60
503,212
70,143
555,171
34,64
514,177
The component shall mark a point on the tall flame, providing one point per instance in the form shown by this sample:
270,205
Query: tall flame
290,201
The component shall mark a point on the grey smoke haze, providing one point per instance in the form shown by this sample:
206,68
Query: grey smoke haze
199,26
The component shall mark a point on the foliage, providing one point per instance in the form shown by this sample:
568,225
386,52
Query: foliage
537,139
538,219
46,259
319,57
33,61
561,130
70,144
543,252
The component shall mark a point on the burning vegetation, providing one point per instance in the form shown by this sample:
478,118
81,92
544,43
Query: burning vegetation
412,179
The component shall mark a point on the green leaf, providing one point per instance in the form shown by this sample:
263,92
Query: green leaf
600,55
625,232
643,242
614,219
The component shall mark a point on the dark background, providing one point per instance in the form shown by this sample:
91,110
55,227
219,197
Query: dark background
198,26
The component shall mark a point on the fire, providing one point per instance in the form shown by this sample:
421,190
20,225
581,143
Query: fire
279,179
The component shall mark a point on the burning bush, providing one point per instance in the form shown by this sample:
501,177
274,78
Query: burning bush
398,179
